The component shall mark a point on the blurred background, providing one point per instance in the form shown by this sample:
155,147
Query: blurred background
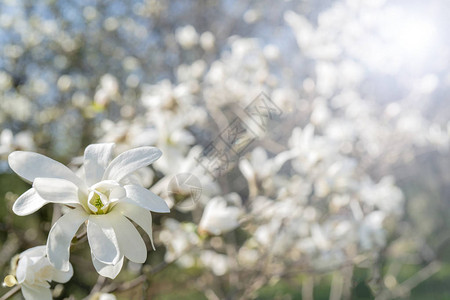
317,133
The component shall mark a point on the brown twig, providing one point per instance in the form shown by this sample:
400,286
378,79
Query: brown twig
97,287
11,293
125,285
403,289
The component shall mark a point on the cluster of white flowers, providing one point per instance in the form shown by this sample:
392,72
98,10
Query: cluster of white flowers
318,188
105,197
34,272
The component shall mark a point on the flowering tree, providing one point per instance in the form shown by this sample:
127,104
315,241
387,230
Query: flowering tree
296,151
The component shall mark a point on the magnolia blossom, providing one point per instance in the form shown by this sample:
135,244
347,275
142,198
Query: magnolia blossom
218,263
186,36
9,141
179,238
105,197
34,272
219,218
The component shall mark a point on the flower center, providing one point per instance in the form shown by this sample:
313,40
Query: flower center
44,275
98,202
102,196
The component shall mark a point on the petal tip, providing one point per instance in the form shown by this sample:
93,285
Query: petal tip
18,211
166,210
12,159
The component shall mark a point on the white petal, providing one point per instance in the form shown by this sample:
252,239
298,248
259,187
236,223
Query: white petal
102,239
61,276
117,194
30,165
34,252
218,218
22,266
247,169
130,242
36,292
28,203
131,160
96,159
144,198
281,159
56,190
138,215
60,236
105,185
107,270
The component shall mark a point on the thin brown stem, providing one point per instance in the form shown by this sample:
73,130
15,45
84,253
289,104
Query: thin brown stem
308,288
97,287
126,285
11,293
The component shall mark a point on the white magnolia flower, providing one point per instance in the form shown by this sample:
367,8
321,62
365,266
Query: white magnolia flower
219,218
186,36
371,233
218,263
105,197
34,272
178,239
10,142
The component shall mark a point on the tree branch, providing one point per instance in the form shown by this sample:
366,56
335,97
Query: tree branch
11,293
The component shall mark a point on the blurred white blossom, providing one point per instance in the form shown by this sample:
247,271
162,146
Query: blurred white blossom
218,217
34,274
179,238
187,36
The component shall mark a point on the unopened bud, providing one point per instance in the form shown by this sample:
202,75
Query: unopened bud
10,281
